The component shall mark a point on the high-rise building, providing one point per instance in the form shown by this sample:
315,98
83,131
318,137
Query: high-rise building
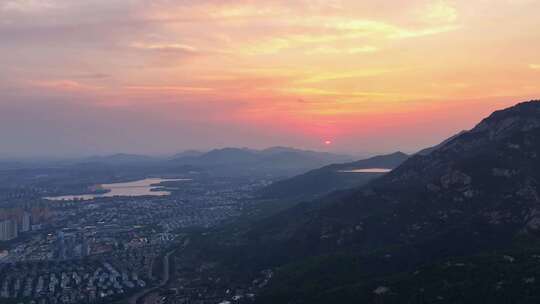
85,250
4,226
26,222
8,230
61,252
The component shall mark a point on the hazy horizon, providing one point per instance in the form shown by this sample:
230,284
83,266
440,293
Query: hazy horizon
75,156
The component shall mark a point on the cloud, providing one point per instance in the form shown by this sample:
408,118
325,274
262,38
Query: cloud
27,6
534,66
246,11
355,28
266,46
439,11
168,88
97,76
353,94
165,47
348,51
316,33
326,76
406,33
64,85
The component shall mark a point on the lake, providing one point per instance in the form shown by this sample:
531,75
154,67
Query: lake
142,187
369,170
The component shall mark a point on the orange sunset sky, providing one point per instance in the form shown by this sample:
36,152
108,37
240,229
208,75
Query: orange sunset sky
141,76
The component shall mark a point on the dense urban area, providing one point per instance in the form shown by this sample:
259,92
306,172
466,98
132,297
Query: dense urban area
109,248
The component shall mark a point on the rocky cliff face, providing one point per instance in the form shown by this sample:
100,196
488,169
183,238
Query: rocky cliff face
487,137
487,176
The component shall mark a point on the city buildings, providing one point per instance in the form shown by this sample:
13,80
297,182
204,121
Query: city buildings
8,230
26,222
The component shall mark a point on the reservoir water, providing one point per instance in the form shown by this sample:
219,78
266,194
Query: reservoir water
148,186
370,170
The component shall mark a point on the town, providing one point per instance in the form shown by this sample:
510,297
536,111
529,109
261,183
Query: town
107,248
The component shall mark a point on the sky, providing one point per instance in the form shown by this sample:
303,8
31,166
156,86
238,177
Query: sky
86,77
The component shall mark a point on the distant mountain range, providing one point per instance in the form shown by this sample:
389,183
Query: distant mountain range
276,160
458,224
187,153
333,177
120,158
272,162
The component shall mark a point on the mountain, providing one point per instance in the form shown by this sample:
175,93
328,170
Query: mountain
279,161
427,151
276,150
229,156
458,225
187,153
478,193
333,177
306,153
120,158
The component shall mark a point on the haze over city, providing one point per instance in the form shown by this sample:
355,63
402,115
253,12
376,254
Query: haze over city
157,77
